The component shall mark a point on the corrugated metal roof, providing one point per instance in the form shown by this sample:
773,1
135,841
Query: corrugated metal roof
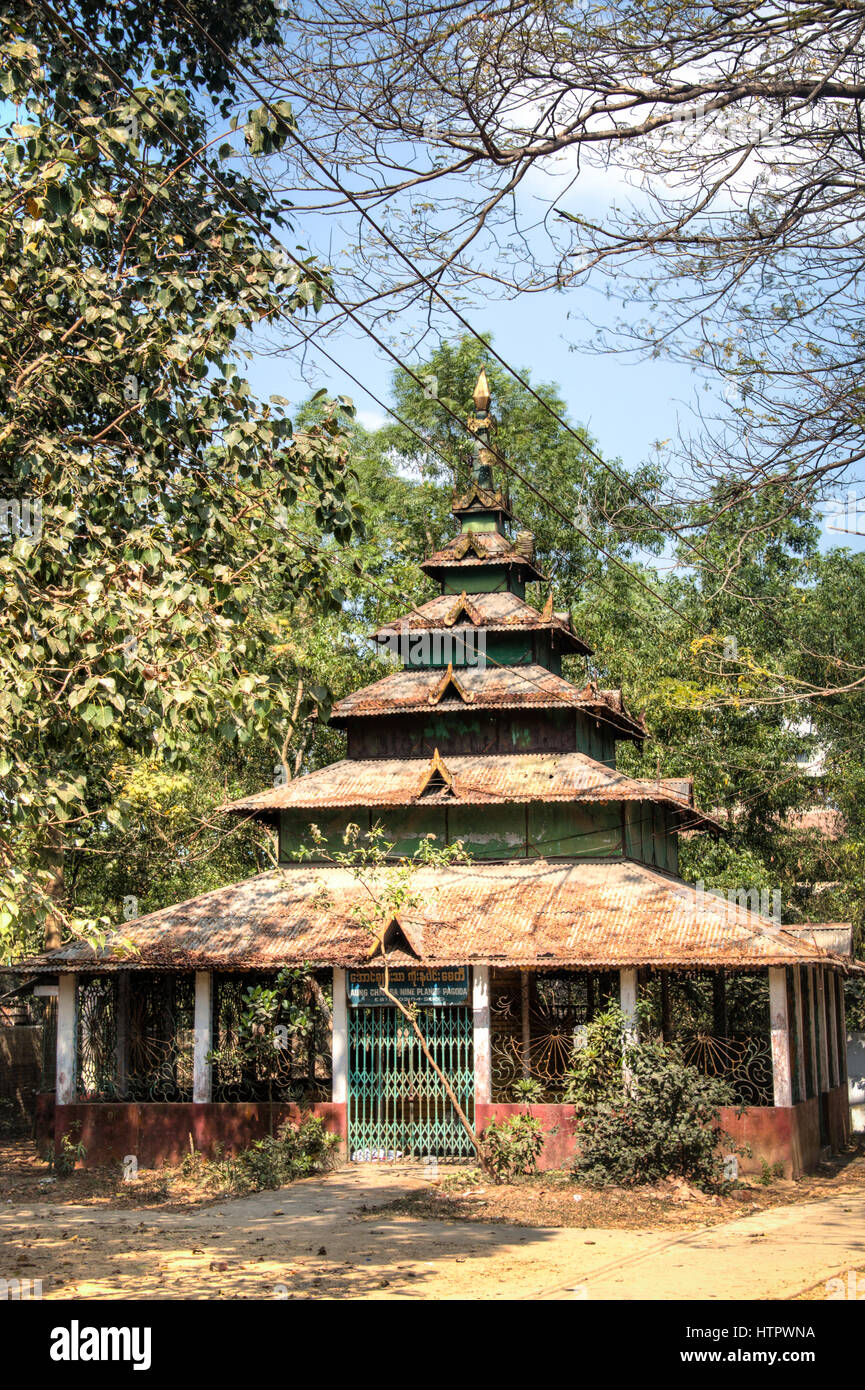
472,548
504,612
581,913
476,781
477,498
490,687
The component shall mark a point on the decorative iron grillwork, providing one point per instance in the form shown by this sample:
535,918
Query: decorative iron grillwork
397,1106
160,1030
298,1068
746,1062
97,1038
560,1006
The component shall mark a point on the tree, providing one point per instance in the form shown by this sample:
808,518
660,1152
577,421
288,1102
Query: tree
731,137
158,521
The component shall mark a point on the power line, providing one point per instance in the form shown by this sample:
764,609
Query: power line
595,715
416,270
193,155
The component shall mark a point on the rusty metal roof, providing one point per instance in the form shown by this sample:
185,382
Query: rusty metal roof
484,687
590,914
472,548
476,780
480,499
503,612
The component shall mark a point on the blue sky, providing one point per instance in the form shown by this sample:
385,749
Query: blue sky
626,404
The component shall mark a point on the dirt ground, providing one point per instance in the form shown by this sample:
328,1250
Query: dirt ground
376,1231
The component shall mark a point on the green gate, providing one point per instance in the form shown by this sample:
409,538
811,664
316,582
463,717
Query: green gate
397,1105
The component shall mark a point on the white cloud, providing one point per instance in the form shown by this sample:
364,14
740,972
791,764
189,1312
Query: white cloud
371,419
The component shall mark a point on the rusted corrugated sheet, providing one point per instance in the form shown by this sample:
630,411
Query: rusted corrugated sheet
501,612
590,914
490,687
475,781
479,548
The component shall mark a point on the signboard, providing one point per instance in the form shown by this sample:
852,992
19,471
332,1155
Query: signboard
411,985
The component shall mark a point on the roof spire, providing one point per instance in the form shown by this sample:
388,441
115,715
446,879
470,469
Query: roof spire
482,395
482,426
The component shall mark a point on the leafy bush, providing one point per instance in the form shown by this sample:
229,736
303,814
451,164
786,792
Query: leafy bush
512,1147
528,1090
296,1151
643,1113
65,1159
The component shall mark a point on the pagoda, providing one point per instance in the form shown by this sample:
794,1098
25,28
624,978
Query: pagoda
568,896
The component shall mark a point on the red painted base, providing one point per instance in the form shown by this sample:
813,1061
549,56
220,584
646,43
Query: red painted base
558,1122
790,1135
162,1134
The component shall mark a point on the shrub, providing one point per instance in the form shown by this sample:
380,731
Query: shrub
660,1119
512,1147
69,1154
295,1151
528,1090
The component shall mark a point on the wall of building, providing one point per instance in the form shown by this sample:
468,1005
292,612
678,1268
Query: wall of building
20,1068
558,1123
790,1135
544,830
856,1074
160,1134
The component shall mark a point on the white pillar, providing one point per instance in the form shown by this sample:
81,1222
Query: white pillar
481,1030
832,1018
812,1014
631,1026
203,1044
339,1046
825,1082
67,1030
780,1026
628,1003
800,1036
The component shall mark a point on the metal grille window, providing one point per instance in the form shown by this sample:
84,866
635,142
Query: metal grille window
296,1068
536,1020
97,1037
156,1011
720,1021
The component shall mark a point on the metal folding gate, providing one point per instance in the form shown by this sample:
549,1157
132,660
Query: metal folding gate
397,1105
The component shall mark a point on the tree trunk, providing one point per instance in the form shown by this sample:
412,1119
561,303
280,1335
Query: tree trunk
52,860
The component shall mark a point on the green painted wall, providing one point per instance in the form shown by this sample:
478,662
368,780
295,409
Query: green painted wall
543,830
590,829
479,579
472,647
650,836
406,826
596,739
489,832
294,828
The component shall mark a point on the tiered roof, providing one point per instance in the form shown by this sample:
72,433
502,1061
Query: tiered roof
598,913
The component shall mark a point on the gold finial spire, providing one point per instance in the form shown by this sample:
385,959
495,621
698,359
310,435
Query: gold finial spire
482,395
